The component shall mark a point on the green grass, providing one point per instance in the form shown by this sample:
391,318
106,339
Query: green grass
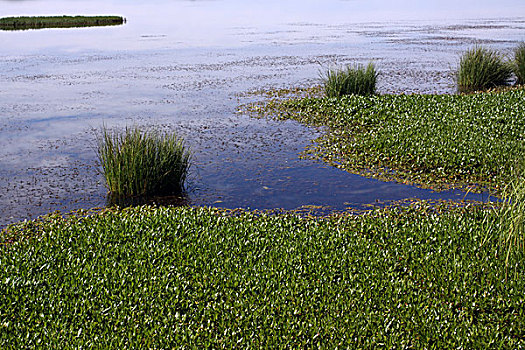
434,141
39,22
356,80
481,69
137,163
189,277
512,218
519,63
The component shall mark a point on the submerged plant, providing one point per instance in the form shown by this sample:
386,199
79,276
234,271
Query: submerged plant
356,80
481,68
137,163
519,63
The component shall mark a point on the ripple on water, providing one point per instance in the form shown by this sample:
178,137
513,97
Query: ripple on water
50,105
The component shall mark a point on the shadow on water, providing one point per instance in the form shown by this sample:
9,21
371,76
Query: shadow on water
124,202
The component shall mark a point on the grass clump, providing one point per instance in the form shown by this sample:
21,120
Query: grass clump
519,63
148,277
512,218
356,80
40,22
137,163
481,69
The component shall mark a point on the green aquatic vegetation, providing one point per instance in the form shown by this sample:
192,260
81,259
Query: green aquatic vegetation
143,163
39,22
148,277
434,141
519,63
481,69
512,218
356,80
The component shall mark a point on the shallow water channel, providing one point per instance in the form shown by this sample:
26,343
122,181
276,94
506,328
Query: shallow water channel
186,66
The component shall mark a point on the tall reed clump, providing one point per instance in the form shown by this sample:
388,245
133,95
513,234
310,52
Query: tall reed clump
512,218
519,64
356,80
481,68
137,163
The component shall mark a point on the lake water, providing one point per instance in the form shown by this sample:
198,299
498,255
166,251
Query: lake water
186,66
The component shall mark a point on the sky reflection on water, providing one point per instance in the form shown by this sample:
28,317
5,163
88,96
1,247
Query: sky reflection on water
185,66
166,24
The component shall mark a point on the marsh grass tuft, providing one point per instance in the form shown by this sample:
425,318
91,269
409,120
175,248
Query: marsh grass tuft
519,63
481,69
137,163
512,218
356,80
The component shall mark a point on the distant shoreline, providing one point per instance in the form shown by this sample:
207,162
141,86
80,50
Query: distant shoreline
41,22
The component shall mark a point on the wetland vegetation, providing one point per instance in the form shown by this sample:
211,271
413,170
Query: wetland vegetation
438,141
481,68
519,63
415,277
40,22
419,276
349,80
143,163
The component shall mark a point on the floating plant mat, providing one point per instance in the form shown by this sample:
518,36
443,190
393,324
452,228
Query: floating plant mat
41,22
198,277
473,142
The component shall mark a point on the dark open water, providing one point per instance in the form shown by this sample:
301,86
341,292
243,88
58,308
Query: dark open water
186,66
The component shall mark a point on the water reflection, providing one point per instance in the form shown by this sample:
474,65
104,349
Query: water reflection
185,66
123,202
166,24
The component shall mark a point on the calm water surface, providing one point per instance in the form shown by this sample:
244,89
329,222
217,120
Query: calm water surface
186,66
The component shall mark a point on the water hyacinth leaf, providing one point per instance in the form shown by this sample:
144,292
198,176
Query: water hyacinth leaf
172,277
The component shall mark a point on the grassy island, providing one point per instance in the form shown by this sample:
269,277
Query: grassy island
23,23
